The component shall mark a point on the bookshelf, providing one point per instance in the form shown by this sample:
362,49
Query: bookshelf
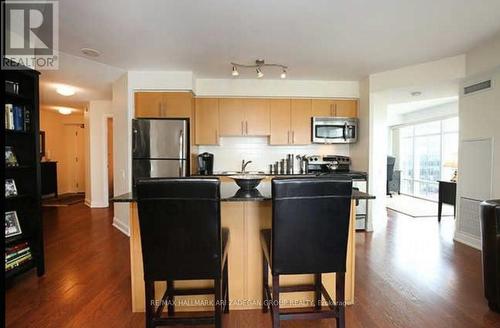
24,251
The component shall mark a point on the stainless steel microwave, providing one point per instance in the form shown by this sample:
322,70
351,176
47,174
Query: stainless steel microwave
328,130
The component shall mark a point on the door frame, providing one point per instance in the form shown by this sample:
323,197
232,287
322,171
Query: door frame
105,157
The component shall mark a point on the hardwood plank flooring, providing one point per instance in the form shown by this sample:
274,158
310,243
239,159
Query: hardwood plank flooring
409,273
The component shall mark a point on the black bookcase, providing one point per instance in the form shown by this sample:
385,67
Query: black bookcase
25,144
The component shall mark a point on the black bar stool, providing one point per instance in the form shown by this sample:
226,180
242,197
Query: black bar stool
182,239
310,226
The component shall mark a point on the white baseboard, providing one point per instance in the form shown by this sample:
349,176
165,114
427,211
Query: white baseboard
120,226
467,240
98,205
87,202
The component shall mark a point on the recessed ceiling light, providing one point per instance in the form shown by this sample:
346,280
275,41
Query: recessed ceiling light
65,90
416,93
64,110
90,52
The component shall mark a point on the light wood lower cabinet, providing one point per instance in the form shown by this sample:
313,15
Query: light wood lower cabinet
207,121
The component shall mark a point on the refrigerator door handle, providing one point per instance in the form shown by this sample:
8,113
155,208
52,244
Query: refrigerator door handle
134,140
181,150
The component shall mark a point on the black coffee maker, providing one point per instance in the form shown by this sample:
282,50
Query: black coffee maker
206,164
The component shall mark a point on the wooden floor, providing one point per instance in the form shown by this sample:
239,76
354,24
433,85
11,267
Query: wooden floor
409,273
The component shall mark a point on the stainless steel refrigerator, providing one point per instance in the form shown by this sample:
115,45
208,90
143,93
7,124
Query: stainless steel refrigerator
160,148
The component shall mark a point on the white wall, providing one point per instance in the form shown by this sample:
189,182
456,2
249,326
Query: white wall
479,116
276,88
98,111
121,150
422,115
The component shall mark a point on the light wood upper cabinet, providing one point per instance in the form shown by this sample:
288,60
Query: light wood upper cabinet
323,107
178,104
301,112
280,121
332,107
257,117
244,117
148,104
346,108
231,116
163,104
207,121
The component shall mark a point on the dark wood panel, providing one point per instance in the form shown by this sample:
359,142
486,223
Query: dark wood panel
409,273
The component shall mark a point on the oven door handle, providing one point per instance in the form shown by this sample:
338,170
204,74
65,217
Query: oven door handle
344,131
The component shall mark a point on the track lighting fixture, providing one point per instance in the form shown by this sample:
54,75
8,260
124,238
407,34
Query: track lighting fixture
259,63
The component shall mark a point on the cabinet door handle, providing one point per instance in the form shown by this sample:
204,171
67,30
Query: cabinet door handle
288,137
216,136
293,137
246,127
242,128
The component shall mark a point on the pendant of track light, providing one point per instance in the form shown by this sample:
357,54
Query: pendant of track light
235,71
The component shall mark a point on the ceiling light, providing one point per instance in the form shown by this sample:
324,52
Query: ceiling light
90,52
65,90
258,65
235,71
64,110
416,93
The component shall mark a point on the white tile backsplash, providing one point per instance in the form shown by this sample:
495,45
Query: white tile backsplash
232,150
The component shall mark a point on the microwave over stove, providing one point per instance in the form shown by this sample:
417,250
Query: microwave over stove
329,130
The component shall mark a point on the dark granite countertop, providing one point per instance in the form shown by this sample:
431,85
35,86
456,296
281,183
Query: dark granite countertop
230,192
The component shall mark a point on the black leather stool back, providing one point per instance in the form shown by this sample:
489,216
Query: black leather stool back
310,225
180,227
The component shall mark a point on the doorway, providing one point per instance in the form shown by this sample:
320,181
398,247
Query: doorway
109,124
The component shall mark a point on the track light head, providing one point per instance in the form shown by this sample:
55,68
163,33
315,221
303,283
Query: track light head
283,74
259,73
235,71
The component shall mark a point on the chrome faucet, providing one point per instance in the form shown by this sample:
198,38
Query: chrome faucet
244,165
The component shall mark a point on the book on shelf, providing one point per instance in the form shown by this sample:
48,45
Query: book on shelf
17,118
10,157
10,188
17,255
12,226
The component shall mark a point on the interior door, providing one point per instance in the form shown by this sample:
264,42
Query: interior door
110,156
73,167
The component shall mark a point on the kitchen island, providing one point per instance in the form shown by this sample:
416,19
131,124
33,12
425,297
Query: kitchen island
245,214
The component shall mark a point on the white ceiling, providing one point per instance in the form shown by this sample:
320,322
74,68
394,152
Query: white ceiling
408,107
323,39
320,40
92,81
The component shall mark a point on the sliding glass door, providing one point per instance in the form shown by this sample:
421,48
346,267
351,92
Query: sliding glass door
427,153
